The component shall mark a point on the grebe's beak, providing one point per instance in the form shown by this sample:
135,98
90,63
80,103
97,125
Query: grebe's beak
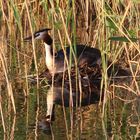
28,38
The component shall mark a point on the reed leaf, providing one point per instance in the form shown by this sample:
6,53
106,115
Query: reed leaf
123,39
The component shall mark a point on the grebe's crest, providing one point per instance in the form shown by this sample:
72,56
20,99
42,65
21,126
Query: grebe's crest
40,34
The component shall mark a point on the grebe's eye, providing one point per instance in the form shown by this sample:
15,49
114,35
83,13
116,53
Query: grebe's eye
37,34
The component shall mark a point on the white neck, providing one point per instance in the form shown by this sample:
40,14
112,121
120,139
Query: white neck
49,57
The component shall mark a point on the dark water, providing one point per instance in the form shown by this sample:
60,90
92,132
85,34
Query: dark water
84,121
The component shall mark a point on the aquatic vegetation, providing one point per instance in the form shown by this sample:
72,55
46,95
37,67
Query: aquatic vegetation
110,26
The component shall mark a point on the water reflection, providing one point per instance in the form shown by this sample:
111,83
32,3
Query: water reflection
58,95
122,115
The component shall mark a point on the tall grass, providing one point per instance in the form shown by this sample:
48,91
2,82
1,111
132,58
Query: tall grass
111,26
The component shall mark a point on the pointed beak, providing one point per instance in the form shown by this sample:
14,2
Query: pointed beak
28,38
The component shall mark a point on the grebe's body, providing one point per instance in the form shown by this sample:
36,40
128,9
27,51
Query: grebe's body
85,55
83,58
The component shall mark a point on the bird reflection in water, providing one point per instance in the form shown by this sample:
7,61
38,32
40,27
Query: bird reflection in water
87,94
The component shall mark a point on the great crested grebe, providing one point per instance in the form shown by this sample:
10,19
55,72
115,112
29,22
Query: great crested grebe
84,54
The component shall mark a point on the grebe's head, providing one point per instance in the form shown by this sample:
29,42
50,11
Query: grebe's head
41,34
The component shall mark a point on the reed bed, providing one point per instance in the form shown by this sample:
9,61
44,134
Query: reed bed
111,26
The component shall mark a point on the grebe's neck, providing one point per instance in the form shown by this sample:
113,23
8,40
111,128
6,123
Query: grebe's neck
49,56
